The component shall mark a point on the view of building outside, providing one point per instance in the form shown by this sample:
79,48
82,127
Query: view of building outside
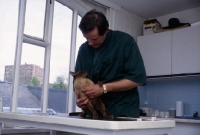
28,72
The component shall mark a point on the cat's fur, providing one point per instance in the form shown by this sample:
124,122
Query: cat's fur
94,104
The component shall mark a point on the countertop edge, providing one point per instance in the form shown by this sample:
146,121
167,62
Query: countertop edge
178,120
187,120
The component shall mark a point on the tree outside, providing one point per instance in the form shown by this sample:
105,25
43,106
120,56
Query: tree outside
60,83
35,81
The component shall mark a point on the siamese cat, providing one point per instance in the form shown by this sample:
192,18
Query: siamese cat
94,104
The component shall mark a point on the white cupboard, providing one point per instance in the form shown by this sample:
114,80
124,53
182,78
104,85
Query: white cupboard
156,53
186,50
172,52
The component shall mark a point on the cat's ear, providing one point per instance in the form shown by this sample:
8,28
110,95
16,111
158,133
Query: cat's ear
72,73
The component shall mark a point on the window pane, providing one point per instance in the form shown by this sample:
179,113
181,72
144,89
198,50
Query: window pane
34,18
79,38
60,55
31,76
8,34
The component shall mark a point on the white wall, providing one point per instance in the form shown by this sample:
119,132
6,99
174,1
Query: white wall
123,20
133,24
187,16
96,6
128,22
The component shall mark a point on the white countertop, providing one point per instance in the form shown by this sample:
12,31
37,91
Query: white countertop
63,119
178,120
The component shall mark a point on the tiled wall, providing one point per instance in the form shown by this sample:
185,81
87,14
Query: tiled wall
162,94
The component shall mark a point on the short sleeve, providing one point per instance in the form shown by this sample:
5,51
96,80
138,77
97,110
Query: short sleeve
134,65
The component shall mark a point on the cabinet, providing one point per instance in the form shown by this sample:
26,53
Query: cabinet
186,50
186,128
156,53
172,52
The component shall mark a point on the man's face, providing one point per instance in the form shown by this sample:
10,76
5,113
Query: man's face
94,39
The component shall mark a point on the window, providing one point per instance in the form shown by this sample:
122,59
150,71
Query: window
60,57
8,34
31,56
35,12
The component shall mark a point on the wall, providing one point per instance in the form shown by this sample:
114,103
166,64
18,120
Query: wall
133,24
94,5
187,16
123,20
186,129
162,94
128,22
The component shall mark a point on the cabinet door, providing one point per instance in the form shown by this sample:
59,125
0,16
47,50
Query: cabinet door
186,50
156,53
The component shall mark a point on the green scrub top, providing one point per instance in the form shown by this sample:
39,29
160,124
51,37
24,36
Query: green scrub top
116,59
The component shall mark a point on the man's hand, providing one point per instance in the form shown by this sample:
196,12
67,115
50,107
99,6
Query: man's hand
93,91
81,101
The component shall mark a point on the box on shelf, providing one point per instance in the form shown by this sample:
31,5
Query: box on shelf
150,26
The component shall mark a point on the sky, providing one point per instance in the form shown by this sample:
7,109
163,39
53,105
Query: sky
34,20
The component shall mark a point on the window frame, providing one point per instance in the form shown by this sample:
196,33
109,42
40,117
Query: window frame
45,42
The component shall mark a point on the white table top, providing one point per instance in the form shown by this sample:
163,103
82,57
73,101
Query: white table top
65,120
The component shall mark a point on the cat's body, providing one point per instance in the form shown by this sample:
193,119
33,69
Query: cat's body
94,104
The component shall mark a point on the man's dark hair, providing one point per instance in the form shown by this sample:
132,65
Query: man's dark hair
94,19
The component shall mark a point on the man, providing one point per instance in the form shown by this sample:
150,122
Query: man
113,58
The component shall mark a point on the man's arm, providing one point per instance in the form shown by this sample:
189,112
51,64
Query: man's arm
122,85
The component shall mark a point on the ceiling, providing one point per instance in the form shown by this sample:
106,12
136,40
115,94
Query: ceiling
155,8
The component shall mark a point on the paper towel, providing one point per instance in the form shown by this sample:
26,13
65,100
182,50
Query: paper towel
179,108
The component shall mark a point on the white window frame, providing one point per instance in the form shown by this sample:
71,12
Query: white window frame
45,42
